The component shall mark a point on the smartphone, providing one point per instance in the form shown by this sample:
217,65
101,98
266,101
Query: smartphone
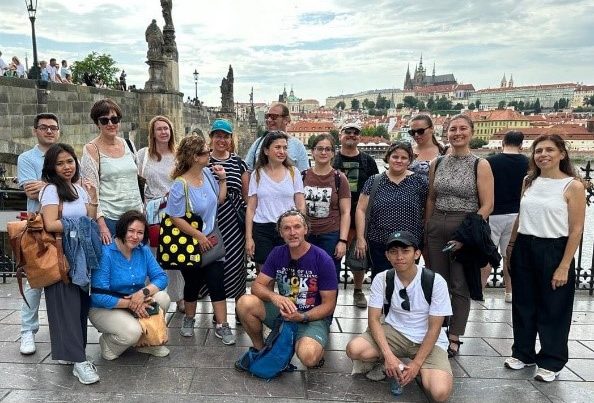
448,247
153,309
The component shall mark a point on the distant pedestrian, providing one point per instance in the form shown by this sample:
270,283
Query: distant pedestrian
548,232
65,73
123,80
53,71
509,169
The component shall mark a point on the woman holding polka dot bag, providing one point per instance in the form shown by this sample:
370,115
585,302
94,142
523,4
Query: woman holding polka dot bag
398,204
196,187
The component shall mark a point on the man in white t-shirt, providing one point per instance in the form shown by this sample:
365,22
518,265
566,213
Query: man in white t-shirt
412,327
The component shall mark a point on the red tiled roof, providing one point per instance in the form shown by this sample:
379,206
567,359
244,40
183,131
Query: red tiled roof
497,114
309,126
571,131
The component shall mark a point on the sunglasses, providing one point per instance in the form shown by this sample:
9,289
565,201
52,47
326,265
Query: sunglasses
352,132
205,152
105,120
405,301
273,116
420,132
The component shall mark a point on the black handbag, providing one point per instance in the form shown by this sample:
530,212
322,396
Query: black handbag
176,248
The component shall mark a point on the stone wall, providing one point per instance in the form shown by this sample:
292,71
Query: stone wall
21,100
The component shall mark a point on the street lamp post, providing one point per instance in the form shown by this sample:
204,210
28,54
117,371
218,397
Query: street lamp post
196,85
34,73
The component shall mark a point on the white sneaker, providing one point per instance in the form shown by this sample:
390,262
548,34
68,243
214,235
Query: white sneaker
514,363
157,351
545,375
28,343
508,297
106,352
85,372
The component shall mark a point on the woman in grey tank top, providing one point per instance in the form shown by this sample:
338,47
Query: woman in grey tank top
454,192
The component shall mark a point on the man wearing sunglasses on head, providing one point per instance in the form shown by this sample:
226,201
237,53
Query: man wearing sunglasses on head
413,322
358,167
277,119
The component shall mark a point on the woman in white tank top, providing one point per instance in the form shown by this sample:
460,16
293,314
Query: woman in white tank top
544,240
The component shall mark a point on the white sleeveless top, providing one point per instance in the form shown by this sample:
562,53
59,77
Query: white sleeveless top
543,209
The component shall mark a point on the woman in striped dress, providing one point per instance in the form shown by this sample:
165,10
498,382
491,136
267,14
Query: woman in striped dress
229,213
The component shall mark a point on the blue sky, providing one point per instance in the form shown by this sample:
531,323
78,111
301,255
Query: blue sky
321,48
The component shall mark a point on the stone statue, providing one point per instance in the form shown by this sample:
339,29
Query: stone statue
154,38
227,92
170,46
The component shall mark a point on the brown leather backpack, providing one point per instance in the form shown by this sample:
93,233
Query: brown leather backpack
39,254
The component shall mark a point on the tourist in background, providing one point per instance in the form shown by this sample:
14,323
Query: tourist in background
65,73
205,194
63,199
454,192
357,166
327,201
543,243
426,147
109,164
231,214
275,187
155,164
398,204
118,298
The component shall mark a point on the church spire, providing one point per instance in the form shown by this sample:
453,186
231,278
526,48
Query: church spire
503,81
511,81
433,69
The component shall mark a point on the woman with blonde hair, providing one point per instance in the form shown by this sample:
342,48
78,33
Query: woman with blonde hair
155,164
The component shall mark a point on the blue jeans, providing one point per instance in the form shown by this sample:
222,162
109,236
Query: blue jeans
327,242
30,316
379,261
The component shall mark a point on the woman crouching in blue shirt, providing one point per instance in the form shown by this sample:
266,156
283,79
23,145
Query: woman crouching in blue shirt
119,292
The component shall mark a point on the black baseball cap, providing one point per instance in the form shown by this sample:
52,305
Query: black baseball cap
403,238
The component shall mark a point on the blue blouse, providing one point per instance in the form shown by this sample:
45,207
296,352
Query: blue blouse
118,274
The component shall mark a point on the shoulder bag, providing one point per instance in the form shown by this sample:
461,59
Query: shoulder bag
217,252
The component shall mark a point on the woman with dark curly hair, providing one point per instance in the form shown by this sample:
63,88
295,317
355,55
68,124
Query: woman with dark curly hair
544,240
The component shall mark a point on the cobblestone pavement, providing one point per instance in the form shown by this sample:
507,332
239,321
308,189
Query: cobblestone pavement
201,368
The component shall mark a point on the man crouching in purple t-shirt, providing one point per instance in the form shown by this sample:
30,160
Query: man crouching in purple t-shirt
307,289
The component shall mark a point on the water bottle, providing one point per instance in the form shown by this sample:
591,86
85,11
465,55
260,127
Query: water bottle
395,387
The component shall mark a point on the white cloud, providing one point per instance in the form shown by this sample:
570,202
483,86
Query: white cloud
322,48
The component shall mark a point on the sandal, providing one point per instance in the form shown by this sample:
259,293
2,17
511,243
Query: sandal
451,351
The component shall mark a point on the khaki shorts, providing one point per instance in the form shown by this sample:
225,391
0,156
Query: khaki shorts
403,347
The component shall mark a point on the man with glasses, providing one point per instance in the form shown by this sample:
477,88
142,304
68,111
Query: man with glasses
307,289
413,323
277,119
29,166
358,167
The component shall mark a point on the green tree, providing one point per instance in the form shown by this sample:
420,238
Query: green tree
563,103
382,102
355,104
310,141
335,135
410,101
340,105
478,104
381,131
400,105
365,104
471,106
556,106
536,107
421,106
459,106
477,142
431,104
368,131
521,106
102,66
501,105
443,104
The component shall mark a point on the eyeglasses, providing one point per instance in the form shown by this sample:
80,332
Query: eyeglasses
45,128
352,132
105,120
420,132
405,301
273,116
204,152
324,149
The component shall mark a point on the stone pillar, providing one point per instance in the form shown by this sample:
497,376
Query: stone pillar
171,75
156,75
151,104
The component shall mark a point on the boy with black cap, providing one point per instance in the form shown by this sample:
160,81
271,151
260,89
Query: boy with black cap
412,326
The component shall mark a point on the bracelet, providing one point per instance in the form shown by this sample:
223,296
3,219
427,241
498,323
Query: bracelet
94,204
343,241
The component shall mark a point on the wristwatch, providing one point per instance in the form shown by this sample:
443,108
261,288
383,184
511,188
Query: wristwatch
146,292
305,317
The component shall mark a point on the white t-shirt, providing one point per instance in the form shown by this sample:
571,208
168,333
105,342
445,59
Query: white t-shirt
413,324
274,198
75,208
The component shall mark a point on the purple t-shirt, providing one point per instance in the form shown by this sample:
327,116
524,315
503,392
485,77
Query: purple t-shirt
301,280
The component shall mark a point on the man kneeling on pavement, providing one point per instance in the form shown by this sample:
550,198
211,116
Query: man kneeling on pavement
412,327
307,289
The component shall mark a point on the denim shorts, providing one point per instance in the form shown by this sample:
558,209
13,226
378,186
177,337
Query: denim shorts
319,330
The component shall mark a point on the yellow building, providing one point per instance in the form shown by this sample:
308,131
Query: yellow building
487,123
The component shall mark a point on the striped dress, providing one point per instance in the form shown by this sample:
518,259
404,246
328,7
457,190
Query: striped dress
233,234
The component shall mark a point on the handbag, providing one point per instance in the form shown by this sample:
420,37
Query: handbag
154,212
351,259
154,330
39,254
176,248
217,252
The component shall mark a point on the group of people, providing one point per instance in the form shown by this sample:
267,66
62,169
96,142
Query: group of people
296,223
13,69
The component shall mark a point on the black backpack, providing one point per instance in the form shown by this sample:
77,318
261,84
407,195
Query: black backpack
427,279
